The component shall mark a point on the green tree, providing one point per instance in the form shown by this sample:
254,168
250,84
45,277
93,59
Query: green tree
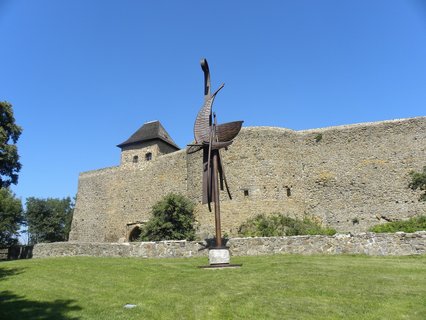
418,181
10,217
9,135
48,220
172,219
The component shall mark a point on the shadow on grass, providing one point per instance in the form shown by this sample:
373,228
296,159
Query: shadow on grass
16,307
9,272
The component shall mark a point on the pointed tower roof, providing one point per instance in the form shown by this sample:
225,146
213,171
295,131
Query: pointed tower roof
149,131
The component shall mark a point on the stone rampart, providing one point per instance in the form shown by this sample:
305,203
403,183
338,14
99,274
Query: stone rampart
347,177
356,176
109,200
364,243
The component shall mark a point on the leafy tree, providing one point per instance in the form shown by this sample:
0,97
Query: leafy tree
172,219
10,217
418,181
48,219
9,135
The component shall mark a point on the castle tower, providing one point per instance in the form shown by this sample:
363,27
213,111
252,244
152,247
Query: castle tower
147,143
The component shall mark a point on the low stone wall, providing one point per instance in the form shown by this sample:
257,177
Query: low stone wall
364,243
399,243
162,249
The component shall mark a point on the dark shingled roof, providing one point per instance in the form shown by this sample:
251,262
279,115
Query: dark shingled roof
149,131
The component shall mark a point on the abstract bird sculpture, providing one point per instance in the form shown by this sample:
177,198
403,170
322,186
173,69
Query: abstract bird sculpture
210,137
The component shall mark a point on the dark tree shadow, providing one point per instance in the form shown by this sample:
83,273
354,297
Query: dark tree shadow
210,243
14,307
9,272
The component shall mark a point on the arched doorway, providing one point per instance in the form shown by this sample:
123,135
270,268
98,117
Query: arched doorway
134,234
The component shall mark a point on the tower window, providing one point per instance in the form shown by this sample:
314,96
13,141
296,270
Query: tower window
135,159
288,191
148,156
246,193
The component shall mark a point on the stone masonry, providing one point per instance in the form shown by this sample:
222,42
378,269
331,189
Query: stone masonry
364,243
347,177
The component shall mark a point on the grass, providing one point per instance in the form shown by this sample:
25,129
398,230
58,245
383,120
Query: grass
267,287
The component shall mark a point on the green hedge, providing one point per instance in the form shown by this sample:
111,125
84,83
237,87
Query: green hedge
409,226
279,225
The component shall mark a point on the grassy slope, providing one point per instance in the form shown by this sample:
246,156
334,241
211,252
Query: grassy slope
272,287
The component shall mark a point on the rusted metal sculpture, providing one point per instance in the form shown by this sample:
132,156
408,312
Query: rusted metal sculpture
210,137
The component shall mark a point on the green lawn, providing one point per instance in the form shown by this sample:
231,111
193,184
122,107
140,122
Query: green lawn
267,287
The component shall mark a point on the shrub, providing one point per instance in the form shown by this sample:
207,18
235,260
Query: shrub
280,225
411,225
172,219
418,181
318,137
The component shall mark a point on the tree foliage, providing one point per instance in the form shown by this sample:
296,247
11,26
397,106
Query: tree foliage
10,217
276,225
418,181
48,220
172,219
9,135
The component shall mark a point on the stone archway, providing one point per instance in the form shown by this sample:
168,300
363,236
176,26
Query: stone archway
134,234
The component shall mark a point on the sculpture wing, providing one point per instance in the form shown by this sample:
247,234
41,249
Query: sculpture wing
203,122
228,131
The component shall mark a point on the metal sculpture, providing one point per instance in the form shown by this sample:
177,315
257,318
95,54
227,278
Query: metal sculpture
210,137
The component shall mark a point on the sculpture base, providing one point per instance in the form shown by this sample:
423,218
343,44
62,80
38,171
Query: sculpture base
221,266
220,258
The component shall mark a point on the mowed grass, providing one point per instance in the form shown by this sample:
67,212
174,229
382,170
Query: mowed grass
266,287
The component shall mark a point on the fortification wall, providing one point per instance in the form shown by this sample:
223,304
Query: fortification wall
109,200
262,168
94,205
357,176
348,177
141,188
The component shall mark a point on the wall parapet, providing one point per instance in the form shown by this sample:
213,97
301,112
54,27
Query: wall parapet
375,244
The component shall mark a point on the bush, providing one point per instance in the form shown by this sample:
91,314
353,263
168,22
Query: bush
409,226
279,225
418,181
172,219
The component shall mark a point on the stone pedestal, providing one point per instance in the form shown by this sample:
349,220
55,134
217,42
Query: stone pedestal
219,256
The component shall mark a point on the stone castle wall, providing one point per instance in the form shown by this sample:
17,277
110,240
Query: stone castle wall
361,172
262,162
348,177
110,201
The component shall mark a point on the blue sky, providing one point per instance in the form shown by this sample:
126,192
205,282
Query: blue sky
84,75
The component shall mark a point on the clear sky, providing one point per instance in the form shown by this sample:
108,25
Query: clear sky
84,75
